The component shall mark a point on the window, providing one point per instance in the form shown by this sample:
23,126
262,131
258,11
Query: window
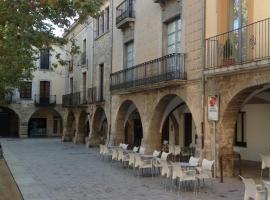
55,124
44,59
83,56
97,27
101,82
129,54
107,18
174,36
44,88
101,24
240,130
26,91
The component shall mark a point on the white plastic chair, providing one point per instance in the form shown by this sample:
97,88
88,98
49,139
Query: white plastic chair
206,170
165,171
125,146
122,157
101,150
142,164
251,189
194,161
177,150
135,149
183,176
142,150
114,154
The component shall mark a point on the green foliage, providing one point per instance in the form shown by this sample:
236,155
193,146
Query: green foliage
25,28
227,49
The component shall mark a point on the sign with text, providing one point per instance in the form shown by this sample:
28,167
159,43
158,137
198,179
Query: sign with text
213,107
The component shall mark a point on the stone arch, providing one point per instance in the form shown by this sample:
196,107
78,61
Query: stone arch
45,122
83,128
9,122
99,131
166,105
128,108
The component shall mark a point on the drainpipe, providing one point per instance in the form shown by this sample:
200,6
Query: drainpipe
112,22
202,73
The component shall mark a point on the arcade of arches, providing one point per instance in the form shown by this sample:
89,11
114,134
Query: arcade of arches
9,123
244,122
171,121
45,122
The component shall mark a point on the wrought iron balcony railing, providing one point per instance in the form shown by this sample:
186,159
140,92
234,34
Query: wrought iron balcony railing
82,98
83,58
45,100
73,99
170,67
246,44
124,11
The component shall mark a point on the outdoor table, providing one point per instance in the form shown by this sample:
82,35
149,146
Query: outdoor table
187,165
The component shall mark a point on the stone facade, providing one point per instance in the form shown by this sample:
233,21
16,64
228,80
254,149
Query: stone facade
30,108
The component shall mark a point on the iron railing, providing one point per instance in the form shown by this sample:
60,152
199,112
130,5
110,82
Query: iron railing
93,96
125,10
45,100
246,44
83,58
166,68
84,97
72,99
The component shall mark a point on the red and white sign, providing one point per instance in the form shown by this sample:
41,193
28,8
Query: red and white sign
213,108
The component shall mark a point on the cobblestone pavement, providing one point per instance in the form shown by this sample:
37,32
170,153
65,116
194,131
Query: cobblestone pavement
47,169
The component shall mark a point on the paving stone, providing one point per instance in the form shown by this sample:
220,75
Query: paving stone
47,169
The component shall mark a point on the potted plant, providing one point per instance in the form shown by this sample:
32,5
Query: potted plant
228,58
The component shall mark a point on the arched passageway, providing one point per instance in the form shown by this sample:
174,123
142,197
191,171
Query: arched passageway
99,128
172,124
9,123
129,127
245,128
45,123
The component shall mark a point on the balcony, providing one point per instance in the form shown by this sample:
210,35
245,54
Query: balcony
45,100
240,49
125,14
83,58
82,98
155,72
71,100
93,96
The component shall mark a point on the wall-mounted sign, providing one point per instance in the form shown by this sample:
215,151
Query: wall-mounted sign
213,107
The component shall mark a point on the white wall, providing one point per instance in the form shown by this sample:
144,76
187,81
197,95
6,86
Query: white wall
257,130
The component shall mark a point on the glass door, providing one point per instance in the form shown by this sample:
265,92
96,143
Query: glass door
238,20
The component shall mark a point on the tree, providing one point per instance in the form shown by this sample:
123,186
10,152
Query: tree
26,27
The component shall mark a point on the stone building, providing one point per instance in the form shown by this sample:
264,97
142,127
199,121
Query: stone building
36,109
156,70
237,70
87,99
